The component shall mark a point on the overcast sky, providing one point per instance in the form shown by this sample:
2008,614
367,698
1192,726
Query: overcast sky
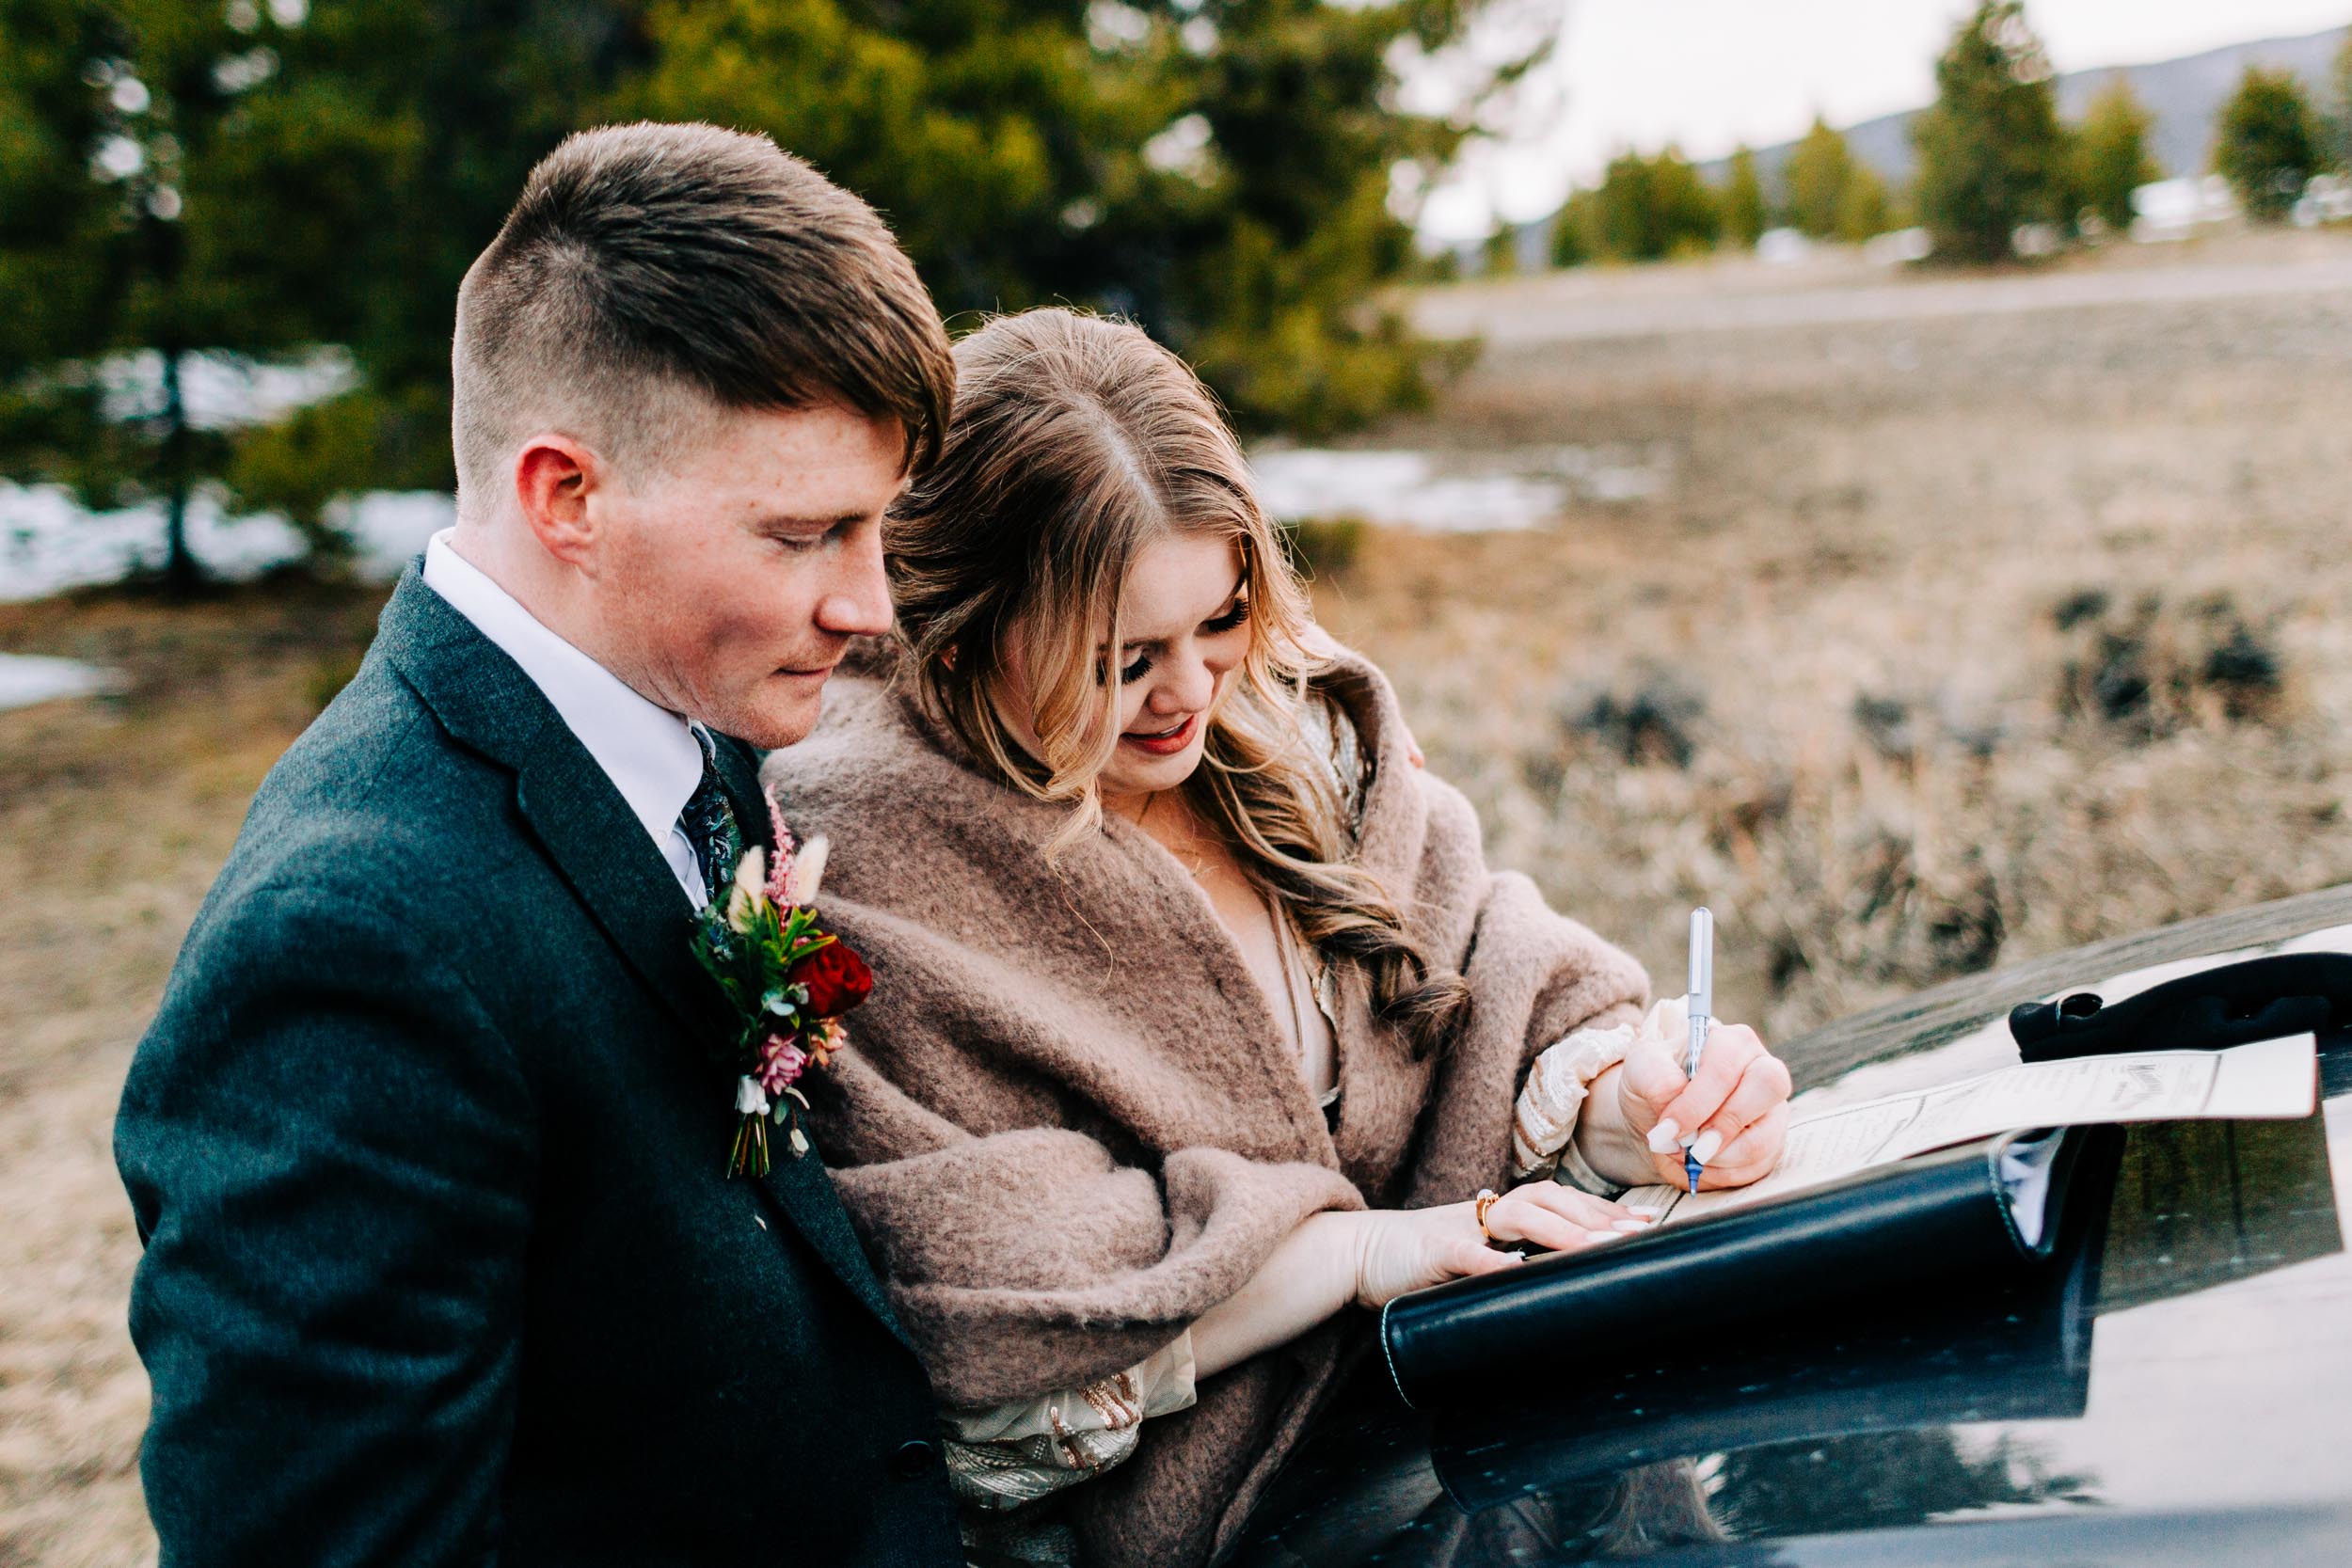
1708,74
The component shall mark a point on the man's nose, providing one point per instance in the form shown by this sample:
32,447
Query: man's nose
857,602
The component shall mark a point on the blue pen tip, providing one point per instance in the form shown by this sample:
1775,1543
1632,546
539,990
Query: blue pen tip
1690,1168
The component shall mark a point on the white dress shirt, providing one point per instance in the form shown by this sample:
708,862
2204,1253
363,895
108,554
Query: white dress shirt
648,753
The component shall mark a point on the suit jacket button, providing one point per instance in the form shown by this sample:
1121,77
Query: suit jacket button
913,1459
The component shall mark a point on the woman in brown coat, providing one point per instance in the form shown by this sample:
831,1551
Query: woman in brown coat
1198,1016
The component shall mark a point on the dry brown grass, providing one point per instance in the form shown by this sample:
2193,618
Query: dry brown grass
1899,765
114,816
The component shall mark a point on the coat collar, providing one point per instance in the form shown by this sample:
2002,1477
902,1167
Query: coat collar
485,703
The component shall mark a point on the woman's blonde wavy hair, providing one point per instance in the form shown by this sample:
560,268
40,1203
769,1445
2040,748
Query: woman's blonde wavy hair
1075,441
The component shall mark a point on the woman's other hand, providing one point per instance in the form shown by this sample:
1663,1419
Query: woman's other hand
1406,1249
1732,1115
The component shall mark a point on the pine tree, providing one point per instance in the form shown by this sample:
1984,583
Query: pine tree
276,180
1993,156
2268,143
1576,231
2111,157
2340,76
1819,168
1741,201
1649,209
1862,205
268,181
1220,170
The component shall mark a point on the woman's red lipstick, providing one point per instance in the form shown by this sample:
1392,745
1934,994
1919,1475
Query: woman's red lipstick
1166,745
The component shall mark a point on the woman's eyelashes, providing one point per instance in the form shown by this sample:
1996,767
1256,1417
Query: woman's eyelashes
1222,624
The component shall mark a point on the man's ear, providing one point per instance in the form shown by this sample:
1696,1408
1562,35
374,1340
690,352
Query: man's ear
554,478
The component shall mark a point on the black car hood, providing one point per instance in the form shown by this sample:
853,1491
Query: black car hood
2176,1388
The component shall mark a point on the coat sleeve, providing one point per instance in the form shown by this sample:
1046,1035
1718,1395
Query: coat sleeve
1023,1261
1535,976
328,1150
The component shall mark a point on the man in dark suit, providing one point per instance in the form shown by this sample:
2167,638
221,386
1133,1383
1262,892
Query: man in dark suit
428,1144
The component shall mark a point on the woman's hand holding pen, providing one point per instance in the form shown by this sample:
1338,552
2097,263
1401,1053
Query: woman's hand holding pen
1734,1113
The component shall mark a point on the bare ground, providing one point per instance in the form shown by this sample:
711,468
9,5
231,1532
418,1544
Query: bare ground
115,814
1820,682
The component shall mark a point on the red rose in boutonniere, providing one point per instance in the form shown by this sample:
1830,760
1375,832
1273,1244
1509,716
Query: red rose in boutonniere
790,981
837,979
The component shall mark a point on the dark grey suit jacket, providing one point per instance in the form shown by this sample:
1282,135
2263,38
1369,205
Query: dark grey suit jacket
427,1152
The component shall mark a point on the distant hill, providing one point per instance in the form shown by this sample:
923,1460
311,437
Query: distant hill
2185,95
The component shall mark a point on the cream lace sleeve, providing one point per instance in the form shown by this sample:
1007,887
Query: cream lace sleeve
1003,1456
1543,1123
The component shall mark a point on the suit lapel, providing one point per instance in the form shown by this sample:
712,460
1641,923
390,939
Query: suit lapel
802,1186
484,701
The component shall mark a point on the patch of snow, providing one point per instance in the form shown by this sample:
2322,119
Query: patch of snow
1783,248
29,678
1896,249
48,543
1453,492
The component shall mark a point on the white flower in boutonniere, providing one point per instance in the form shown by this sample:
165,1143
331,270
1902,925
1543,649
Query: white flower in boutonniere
808,869
750,882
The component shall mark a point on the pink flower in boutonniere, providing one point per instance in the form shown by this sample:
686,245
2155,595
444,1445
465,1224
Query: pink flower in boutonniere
789,981
781,1063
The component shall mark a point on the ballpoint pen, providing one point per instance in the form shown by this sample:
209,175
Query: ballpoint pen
1702,1004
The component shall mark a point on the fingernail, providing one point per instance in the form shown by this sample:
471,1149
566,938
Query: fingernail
1662,1136
1630,1225
1595,1237
1687,1139
1705,1149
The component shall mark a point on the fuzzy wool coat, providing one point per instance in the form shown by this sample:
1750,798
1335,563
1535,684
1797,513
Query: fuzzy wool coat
1068,1125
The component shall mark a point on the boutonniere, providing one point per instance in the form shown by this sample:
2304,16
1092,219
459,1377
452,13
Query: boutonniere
790,981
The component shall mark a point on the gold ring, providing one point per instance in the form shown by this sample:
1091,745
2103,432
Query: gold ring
1486,1201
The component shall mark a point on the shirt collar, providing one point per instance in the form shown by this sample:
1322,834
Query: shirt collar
648,753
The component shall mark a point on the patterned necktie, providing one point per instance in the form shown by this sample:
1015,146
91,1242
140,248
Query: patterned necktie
711,826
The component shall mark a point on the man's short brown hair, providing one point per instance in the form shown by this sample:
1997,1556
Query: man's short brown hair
650,272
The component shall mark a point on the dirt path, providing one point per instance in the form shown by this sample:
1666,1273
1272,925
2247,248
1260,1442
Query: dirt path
1838,290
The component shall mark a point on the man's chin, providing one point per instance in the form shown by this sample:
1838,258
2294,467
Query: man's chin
775,720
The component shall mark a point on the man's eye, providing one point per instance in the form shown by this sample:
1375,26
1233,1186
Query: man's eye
1135,671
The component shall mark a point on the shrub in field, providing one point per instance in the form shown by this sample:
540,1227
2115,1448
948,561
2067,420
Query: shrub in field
1325,546
1649,716
2155,668
1889,725
1859,874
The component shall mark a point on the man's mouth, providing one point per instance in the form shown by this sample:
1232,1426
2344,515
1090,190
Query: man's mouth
1166,743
